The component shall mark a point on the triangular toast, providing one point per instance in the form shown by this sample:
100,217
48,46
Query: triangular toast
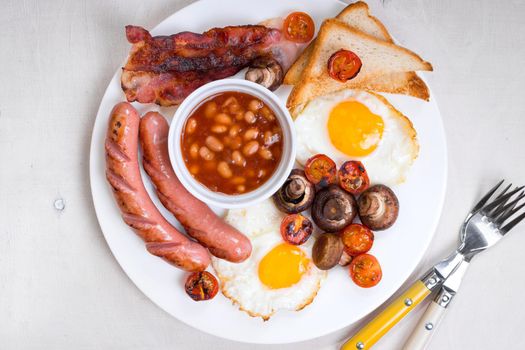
358,16
380,59
355,15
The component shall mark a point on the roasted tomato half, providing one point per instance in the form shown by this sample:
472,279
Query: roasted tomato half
353,177
201,286
344,65
299,27
296,229
357,239
365,270
320,170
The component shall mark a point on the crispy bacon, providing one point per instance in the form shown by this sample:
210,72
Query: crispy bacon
166,69
186,51
168,88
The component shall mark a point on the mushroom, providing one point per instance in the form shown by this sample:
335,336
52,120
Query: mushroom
378,207
267,72
327,251
333,208
296,194
345,259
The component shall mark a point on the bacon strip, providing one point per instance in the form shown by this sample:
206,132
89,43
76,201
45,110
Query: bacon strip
166,69
186,51
169,88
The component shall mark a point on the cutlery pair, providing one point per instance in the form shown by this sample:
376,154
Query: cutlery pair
485,225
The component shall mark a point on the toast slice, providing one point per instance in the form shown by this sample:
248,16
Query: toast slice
408,83
380,58
355,15
358,16
293,76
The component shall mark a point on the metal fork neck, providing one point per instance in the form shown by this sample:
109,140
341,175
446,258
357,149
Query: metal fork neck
432,279
439,272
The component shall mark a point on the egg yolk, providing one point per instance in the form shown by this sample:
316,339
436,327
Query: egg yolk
353,129
283,266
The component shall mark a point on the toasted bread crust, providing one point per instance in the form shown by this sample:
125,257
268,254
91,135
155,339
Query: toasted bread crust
416,87
360,5
334,24
293,76
315,80
407,83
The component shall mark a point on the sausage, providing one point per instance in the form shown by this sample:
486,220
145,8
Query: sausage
138,211
198,219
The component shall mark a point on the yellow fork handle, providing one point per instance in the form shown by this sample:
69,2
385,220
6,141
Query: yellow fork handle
388,318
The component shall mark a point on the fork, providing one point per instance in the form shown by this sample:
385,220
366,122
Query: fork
428,323
485,225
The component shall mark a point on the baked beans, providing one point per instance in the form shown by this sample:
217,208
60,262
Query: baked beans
232,143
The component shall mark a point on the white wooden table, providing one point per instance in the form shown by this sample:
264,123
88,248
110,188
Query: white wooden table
60,287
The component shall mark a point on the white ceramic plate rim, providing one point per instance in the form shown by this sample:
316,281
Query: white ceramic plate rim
131,245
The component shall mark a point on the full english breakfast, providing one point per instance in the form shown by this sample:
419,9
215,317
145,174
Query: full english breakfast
352,146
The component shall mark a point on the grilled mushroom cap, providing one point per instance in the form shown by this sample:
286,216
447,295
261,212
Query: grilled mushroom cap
333,208
327,251
267,72
296,194
378,207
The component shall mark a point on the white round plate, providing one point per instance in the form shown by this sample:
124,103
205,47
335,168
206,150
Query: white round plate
339,302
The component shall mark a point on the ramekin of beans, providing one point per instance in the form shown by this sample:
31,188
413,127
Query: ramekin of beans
232,143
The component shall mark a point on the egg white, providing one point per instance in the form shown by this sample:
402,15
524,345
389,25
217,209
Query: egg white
388,164
240,281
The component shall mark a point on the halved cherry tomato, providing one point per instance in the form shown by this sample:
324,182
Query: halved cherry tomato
296,229
299,27
320,170
201,286
344,65
353,177
365,270
357,239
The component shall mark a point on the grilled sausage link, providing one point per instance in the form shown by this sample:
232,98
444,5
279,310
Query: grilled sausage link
198,219
138,211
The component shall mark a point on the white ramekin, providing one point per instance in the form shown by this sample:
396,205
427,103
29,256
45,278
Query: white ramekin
220,199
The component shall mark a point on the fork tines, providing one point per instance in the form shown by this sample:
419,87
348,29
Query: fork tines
503,207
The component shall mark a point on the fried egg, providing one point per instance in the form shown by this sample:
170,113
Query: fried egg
277,275
358,125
